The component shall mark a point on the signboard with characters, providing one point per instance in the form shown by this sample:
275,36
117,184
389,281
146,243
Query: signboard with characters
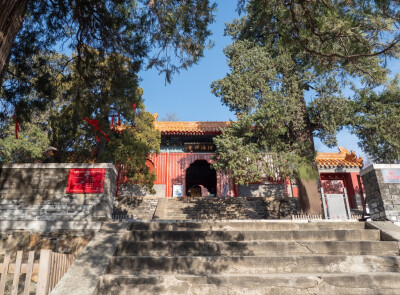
85,181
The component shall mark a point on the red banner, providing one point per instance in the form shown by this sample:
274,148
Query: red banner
85,181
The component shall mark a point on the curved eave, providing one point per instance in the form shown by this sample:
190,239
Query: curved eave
355,168
339,166
190,132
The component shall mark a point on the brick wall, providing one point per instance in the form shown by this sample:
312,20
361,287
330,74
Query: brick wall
383,198
38,192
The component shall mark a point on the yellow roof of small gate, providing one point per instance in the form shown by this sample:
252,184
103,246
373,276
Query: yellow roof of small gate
343,158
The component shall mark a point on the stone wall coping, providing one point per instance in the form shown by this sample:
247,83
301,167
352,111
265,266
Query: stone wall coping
379,166
60,166
170,221
83,277
48,226
389,231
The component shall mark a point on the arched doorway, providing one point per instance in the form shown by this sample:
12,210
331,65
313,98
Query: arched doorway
198,175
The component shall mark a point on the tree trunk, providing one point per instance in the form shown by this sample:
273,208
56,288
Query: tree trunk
11,17
310,197
101,148
101,145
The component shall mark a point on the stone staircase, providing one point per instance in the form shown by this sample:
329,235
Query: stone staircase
252,257
215,208
135,207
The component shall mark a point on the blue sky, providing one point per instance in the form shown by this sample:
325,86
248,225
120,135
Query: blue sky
189,95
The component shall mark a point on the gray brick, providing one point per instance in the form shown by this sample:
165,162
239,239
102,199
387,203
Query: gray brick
39,193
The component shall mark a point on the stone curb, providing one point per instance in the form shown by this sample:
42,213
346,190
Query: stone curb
389,231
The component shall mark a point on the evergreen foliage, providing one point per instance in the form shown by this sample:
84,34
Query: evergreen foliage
377,123
169,35
78,96
114,99
32,141
283,51
104,93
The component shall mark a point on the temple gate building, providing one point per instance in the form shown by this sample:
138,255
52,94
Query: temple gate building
184,167
339,171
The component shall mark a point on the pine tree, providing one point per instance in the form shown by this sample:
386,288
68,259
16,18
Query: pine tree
169,35
377,123
97,115
281,52
32,141
111,40
104,117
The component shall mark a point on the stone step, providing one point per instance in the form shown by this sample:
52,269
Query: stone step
206,209
256,248
258,284
302,235
214,209
176,216
214,216
253,264
213,200
249,225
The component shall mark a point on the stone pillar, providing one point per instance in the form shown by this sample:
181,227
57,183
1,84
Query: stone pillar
382,189
39,192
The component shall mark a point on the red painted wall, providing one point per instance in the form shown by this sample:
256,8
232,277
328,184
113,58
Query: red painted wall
171,169
351,183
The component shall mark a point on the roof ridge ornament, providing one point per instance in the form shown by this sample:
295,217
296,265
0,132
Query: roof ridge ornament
343,150
343,158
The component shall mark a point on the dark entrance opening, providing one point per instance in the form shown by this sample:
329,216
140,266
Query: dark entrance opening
200,176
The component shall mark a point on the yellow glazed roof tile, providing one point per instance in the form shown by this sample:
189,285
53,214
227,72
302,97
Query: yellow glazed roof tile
196,127
343,158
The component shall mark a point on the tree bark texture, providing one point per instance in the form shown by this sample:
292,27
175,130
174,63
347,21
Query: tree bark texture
11,17
310,197
304,134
